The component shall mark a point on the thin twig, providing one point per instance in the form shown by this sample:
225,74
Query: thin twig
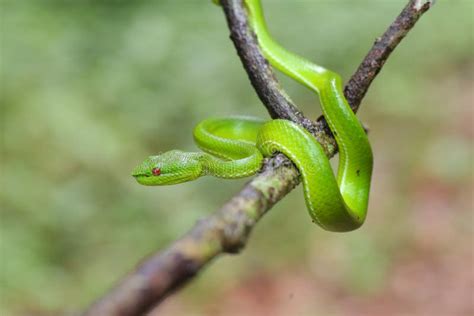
227,230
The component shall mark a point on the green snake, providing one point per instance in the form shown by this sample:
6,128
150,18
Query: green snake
235,147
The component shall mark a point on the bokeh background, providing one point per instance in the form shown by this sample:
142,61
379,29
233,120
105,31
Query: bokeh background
90,88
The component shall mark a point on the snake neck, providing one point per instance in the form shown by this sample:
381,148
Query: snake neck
229,146
230,168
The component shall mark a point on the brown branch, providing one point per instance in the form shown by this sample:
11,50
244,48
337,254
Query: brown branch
261,75
375,59
227,230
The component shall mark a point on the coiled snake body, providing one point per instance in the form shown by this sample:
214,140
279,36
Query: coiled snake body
235,147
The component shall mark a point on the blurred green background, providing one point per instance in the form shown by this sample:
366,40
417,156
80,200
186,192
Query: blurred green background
90,88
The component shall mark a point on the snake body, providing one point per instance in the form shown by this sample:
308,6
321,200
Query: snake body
234,147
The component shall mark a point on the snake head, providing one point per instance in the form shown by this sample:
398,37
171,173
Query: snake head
171,167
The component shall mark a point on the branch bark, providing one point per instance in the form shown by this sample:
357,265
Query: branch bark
227,230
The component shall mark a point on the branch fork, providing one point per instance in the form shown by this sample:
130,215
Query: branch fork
227,230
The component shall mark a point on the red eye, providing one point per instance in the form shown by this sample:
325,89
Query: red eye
156,171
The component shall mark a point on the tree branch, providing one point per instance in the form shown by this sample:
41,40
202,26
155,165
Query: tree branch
227,230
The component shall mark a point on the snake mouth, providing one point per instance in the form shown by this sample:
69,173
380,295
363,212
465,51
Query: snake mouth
144,179
137,174
151,180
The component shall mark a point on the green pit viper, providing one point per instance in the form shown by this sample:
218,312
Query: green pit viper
235,147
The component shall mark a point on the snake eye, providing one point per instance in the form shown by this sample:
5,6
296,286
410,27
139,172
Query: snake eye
156,171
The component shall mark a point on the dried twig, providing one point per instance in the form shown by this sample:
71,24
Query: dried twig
227,230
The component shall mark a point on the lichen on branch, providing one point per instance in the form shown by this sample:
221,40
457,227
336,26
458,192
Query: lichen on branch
227,230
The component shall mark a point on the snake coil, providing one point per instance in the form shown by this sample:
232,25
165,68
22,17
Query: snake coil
234,147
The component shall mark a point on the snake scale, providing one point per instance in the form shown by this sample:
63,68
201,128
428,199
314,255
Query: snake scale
234,147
